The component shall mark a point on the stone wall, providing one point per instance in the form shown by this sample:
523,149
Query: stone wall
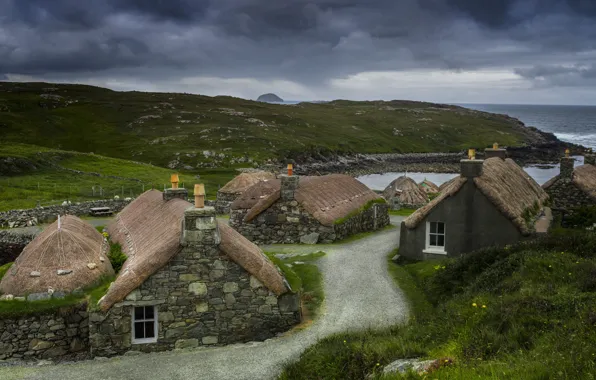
11,245
223,202
566,197
372,219
286,222
202,298
34,216
62,334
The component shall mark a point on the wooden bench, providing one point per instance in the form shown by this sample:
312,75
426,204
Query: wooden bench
101,211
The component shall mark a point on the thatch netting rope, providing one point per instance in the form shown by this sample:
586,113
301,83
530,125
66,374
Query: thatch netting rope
76,249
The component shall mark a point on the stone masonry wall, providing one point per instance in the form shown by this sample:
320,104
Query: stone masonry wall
63,334
285,222
203,298
34,216
223,202
11,245
566,197
372,219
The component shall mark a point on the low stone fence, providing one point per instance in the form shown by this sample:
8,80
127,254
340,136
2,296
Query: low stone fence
34,216
63,333
11,245
376,217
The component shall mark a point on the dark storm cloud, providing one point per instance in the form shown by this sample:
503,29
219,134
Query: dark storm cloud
299,40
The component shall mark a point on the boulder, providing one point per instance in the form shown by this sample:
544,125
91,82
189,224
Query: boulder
404,365
312,238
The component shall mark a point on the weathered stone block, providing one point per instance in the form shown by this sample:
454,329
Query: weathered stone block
230,287
202,307
312,238
209,340
188,277
186,343
197,288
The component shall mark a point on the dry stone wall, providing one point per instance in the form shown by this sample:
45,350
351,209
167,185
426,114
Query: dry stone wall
286,222
11,245
62,334
566,197
223,202
34,216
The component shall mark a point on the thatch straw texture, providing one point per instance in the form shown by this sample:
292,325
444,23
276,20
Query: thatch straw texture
451,188
149,231
444,185
429,186
510,189
584,177
506,185
245,180
69,248
406,191
327,198
251,258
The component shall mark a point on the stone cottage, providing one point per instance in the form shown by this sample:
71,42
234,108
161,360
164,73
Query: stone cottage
232,190
68,255
403,192
492,203
307,209
573,188
428,187
189,281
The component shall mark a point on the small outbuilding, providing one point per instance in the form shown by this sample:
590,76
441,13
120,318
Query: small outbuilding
307,209
232,190
68,255
404,192
492,203
429,187
189,281
573,188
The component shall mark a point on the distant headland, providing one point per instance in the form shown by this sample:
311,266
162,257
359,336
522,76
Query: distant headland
270,98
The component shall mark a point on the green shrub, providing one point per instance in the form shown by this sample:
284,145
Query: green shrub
117,258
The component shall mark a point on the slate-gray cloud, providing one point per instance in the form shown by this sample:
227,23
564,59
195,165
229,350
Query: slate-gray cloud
303,41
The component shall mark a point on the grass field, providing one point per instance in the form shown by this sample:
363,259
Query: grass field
45,177
519,312
190,130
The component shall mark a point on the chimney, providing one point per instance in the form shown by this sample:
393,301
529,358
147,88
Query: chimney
174,191
471,167
495,152
289,184
200,223
589,158
567,166
199,195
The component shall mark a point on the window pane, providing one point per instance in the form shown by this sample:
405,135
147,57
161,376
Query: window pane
441,240
433,239
149,330
149,312
139,330
139,313
433,227
441,228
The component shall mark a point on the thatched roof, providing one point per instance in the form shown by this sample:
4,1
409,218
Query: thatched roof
584,177
245,180
149,230
327,198
506,185
76,248
444,185
428,186
406,191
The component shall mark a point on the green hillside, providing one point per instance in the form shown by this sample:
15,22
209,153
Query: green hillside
193,131
34,174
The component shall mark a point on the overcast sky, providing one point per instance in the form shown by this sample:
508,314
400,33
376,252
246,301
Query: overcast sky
480,51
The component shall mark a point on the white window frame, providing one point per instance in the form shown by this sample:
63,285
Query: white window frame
434,249
155,325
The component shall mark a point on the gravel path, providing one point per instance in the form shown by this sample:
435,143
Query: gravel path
359,294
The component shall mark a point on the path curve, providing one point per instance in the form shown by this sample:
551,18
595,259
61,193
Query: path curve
359,294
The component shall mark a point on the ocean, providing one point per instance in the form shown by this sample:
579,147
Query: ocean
574,124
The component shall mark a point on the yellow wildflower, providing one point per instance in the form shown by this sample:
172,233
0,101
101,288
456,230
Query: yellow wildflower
484,306
474,304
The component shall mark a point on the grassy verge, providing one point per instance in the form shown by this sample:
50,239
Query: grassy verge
402,212
13,309
519,312
363,235
4,268
303,275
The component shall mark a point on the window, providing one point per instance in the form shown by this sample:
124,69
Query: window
144,324
435,237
